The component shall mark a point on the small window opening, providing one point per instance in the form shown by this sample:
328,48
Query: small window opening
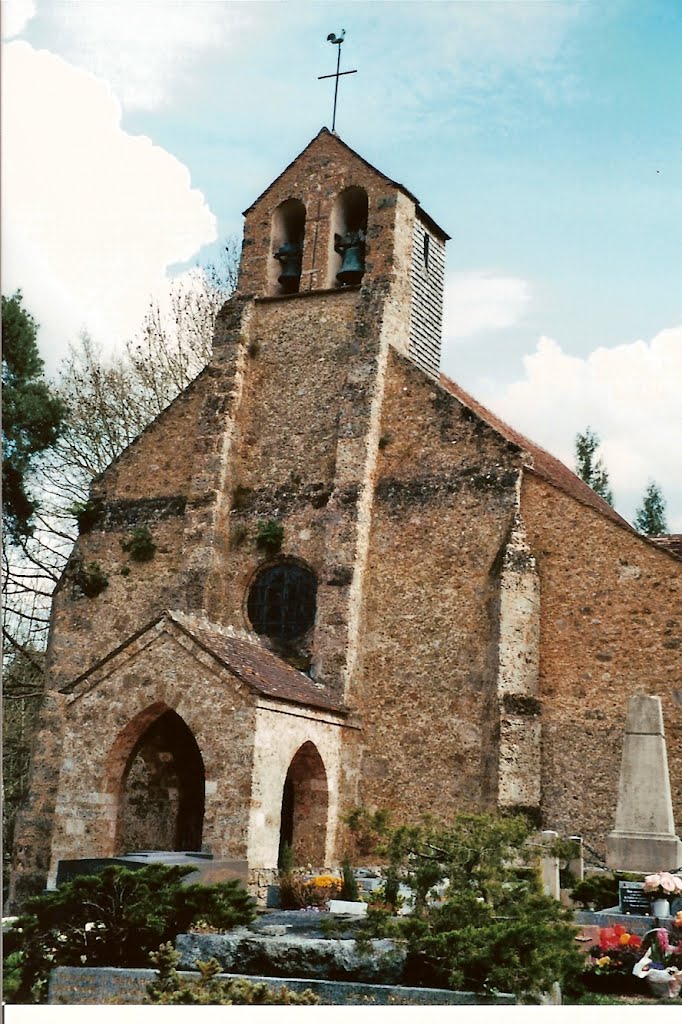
427,242
282,601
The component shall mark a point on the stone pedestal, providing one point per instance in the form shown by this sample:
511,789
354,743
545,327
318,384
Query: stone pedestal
644,837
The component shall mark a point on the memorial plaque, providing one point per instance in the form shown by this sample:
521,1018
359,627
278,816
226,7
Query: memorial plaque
632,899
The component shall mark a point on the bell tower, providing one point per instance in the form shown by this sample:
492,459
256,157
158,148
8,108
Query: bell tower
331,221
339,265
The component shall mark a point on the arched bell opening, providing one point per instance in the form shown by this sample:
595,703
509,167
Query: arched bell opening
347,238
305,800
158,774
286,248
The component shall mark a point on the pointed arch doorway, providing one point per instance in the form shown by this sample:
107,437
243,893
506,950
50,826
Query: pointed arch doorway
162,784
305,802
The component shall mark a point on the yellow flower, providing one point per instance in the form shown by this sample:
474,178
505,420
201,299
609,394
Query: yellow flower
624,939
603,961
327,882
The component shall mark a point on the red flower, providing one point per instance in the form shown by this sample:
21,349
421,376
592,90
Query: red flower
635,941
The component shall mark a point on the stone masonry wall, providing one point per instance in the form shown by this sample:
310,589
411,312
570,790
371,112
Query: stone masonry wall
276,427
611,622
146,486
281,731
425,685
298,457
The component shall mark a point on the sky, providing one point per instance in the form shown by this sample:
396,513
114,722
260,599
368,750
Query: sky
545,137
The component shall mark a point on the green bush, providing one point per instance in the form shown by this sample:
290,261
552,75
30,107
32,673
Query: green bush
597,892
208,989
87,514
349,889
113,919
90,578
269,536
480,920
139,544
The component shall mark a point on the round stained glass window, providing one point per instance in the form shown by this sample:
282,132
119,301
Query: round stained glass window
281,602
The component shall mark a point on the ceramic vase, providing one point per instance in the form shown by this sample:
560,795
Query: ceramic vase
660,908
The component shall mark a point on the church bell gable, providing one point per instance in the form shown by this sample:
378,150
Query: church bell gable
331,222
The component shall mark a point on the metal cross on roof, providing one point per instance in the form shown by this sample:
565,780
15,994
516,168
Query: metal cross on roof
336,41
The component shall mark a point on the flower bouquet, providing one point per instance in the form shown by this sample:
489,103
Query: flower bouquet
662,887
612,960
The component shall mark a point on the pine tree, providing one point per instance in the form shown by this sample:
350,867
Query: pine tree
590,468
32,415
650,518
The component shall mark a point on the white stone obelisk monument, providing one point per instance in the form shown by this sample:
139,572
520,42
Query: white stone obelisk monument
644,837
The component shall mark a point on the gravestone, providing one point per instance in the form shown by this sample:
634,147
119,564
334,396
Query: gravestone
632,899
207,870
644,837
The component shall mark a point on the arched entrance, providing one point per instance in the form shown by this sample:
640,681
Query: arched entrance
161,792
305,799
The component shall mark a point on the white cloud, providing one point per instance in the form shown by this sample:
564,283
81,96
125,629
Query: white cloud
479,300
145,50
16,14
629,394
92,216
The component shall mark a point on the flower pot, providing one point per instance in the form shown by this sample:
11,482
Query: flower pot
660,907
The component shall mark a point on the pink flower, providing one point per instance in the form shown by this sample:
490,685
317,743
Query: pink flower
662,939
651,883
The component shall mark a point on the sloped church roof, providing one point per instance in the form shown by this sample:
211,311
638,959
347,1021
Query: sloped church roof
263,672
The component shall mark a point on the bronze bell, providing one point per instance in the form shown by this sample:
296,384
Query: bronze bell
352,249
290,255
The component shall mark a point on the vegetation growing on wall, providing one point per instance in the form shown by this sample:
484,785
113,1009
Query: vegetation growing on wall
139,544
89,578
86,514
269,536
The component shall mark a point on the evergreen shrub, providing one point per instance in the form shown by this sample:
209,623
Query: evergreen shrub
112,919
170,989
480,920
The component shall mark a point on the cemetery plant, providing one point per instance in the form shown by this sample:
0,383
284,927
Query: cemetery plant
621,961
611,960
480,921
597,892
171,989
112,919
349,888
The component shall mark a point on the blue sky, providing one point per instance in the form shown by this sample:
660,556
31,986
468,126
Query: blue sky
544,137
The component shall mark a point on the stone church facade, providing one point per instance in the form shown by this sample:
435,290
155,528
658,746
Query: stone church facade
365,588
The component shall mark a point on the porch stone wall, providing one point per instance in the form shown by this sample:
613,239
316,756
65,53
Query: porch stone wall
124,697
281,730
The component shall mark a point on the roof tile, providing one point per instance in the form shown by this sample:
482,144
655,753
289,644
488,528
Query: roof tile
259,668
